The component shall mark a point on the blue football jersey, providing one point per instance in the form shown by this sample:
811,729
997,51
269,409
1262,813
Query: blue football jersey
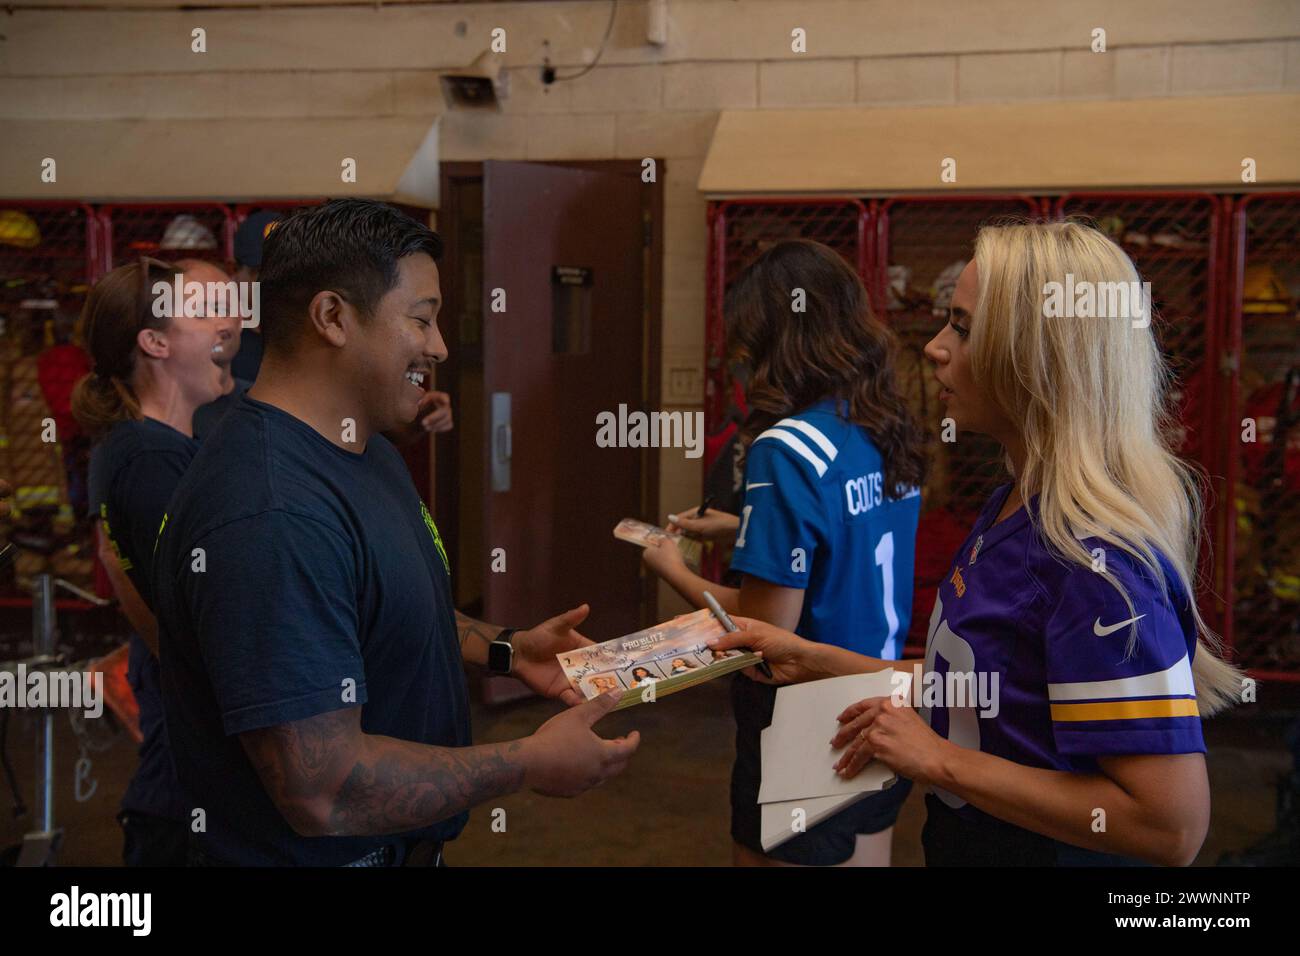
1042,660
817,516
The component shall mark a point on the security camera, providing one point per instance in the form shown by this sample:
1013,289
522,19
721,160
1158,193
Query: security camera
481,85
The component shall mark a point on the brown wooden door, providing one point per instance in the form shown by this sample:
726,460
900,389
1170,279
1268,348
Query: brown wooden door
566,247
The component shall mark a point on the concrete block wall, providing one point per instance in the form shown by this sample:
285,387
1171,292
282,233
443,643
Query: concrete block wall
641,100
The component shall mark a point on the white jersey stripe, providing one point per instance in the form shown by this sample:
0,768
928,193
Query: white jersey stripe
1176,681
803,450
812,432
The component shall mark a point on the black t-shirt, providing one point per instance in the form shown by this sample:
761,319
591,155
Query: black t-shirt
207,416
322,576
133,472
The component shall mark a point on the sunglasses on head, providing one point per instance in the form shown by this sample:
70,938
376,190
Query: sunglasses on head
148,263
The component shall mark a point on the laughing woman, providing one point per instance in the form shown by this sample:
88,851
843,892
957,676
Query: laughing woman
1073,591
150,374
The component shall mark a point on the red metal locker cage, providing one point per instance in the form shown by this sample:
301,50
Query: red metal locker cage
922,242
48,256
166,230
1175,240
739,231
46,241
1261,437
48,251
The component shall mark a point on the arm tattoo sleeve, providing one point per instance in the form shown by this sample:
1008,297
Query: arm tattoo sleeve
329,778
397,790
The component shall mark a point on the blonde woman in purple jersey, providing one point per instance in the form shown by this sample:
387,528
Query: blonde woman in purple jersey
1067,667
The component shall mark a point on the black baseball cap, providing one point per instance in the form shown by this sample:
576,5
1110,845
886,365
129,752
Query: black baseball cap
250,235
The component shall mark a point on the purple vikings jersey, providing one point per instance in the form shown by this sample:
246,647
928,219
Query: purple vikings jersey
1054,641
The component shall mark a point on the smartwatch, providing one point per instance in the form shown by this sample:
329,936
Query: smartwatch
501,653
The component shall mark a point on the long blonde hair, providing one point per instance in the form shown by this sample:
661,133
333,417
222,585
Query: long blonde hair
1089,397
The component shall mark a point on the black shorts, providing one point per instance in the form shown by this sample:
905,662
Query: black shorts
152,841
951,839
829,842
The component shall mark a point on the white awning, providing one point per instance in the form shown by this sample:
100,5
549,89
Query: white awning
101,160
1152,143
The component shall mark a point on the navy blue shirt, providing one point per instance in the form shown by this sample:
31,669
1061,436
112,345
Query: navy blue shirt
323,586
207,416
133,472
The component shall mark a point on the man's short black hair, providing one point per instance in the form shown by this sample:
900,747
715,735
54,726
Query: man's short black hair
348,246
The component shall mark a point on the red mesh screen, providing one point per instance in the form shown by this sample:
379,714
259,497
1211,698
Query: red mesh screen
741,231
168,231
922,244
45,250
1173,242
1174,239
47,254
1265,623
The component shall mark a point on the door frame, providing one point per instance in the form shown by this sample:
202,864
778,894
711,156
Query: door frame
445,461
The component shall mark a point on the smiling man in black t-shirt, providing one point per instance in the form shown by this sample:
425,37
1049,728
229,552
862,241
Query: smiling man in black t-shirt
311,656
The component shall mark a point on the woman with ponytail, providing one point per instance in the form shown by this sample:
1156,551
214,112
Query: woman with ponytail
1069,611
153,366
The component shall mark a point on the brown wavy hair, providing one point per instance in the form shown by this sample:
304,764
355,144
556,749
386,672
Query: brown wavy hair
834,348
117,308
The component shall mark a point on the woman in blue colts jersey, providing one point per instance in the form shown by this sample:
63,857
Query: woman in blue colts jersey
151,372
827,531
1067,667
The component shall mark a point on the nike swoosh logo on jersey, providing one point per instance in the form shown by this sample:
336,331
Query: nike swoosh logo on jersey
1102,631
759,484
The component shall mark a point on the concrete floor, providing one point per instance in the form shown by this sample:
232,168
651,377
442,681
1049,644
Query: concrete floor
669,808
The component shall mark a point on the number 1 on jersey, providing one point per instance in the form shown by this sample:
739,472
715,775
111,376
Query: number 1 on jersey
885,559
744,523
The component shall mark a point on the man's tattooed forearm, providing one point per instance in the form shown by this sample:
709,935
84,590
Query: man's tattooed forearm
327,777
394,789
467,627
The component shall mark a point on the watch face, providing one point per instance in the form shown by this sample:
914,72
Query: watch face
499,655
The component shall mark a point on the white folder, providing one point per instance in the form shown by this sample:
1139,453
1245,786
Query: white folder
799,786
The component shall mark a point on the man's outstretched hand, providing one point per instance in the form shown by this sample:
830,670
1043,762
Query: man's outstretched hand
535,650
566,756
